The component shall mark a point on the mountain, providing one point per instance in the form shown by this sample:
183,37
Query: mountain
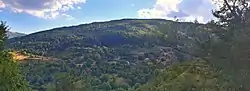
113,34
14,34
116,55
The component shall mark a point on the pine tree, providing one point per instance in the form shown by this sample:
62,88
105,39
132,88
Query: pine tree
10,73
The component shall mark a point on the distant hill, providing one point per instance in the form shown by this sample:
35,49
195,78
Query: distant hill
14,34
132,36
127,51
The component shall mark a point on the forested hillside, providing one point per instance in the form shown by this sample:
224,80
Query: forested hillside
118,54
141,54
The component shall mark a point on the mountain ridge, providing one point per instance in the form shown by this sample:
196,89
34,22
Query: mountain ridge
11,34
101,22
108,21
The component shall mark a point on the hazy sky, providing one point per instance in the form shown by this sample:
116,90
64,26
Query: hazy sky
30,16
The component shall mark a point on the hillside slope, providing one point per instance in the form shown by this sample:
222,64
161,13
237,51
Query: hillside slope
118,34
127,49
189,76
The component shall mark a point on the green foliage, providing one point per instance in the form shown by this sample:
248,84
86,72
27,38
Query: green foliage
11,78
188,76
10,73
67,82
116,54
223,44
230,52
3,30
124,55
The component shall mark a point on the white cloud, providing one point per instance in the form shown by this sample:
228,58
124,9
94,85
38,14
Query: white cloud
2,5
79,7
192,18
189,10
160,10
151,13
47,9
69,17
167,5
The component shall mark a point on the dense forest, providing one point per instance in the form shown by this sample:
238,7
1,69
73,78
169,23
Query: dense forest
132,55
116,55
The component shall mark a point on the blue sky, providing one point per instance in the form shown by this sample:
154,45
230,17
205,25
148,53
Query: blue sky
29,16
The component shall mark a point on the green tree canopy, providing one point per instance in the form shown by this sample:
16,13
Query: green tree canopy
10,74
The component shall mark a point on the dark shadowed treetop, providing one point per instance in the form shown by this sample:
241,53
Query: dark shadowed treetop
3,30
233,12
